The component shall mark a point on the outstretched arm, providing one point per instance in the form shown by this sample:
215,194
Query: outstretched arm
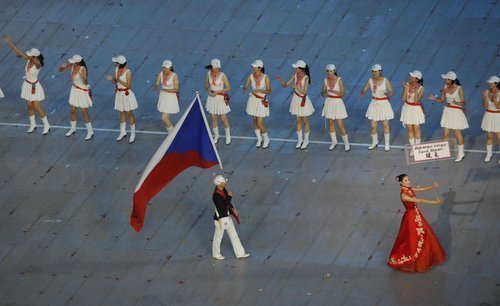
15,48
425,188
407,198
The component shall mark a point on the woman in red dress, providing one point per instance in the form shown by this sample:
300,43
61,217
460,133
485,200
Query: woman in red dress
416,248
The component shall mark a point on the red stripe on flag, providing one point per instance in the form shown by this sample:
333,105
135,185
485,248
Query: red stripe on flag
164,172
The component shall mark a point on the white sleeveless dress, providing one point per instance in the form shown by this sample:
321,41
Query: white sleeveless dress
453,117
30,81
216,105
79,94
295,106
334,108
124,102
491,118
168,102
255,106
412,114
380,108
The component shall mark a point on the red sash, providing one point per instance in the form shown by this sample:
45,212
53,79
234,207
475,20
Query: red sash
415,104
333,97
303,102
380,99
226,97
455,106
263,99
84,89
33,86
493,111
122,89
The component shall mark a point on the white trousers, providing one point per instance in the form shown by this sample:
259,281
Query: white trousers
226,224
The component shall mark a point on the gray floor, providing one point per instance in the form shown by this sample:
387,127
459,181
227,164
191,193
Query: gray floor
319,224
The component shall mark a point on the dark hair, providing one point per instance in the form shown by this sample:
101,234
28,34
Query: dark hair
41,58
306,71
455,81
400,177
209,67
263,69
498,85
122,65
83,64
421,81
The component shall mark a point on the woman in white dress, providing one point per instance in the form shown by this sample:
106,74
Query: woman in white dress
80,95
32,90
258,105
412,112
125,101
301,106
217,85
491,118
380,108
168,101
334,108
453,117
1,93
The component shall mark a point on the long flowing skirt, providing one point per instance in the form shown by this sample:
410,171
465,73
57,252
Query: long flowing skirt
416,248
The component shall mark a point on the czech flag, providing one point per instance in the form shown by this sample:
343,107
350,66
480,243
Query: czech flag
189,144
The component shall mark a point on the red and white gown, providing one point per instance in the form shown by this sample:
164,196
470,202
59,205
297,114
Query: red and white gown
416,248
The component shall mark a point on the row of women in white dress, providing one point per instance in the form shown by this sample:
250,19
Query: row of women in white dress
217,86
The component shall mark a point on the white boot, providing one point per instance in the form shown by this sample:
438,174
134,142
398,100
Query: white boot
259,138
90,132
489,153
123,132
132,133
228,135
32,124
299,139
347,146
46,126
170,129
412,143
374,142
265,145
216,134
72,129
306,140
333,136
461,153
387,146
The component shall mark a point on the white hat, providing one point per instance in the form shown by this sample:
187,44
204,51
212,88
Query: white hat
416,74
330,67
494,79
450,75
75,59
33,52
299,64
258,63
376,67
120,59
167,64
215,63
219,179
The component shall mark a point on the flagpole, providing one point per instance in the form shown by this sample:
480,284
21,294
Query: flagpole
208,129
